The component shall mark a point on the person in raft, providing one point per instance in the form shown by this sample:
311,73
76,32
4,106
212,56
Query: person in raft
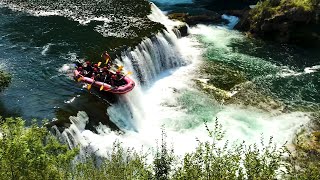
88,68
80,69
105,75
116,79
95,74
107,58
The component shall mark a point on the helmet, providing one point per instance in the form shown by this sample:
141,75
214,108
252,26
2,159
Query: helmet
88,62
95,69
114,77
95,65
105,68
118,72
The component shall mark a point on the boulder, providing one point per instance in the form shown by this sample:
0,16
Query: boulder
286,24
218,5
183,29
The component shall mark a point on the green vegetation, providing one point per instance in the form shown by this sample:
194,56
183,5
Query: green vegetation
307,5
121,164
270,8
4,80
33,153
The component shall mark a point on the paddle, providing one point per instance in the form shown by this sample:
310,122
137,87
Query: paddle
99,63
129,73
107,60
80,78
101,88
89,85
120,68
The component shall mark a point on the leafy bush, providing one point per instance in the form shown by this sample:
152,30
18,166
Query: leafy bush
163,160
120,164
31,153
211,161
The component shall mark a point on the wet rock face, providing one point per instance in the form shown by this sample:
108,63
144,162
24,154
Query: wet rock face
205,18
218,5
183,29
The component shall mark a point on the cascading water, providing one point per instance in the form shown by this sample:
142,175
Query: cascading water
152,57
166,96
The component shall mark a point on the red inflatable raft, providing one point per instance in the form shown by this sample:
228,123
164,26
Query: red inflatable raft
128,85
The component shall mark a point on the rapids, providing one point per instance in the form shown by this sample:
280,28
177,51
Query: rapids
165,68
173,102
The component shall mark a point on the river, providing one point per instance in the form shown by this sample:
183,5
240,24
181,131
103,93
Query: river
39,52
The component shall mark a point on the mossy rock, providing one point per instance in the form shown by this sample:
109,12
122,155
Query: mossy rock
286,21
249,95
218,94
222,76
5,80
230,86
203,17
316,136
309,142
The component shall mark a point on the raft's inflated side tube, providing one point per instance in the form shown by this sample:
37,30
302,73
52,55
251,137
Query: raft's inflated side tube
107,87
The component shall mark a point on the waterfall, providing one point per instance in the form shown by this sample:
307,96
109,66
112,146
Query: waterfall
155,58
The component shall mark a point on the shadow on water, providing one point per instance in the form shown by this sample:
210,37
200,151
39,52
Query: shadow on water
94,103
280,54
12,112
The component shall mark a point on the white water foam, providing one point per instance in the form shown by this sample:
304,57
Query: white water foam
171,101
312,69
84,16
45,49
233,20
158,16
286,72
219,37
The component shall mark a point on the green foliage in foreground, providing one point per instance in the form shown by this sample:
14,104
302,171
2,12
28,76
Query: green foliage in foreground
33,153
5,79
